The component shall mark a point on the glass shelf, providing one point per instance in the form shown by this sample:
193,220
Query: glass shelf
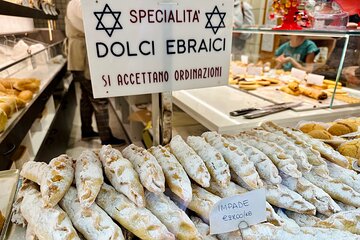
12,9
304,32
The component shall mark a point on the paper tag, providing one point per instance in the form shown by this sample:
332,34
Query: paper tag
297,73
315,79
244,59
228,213
257,71
239,70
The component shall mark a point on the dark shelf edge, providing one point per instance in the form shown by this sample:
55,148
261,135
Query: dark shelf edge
11,9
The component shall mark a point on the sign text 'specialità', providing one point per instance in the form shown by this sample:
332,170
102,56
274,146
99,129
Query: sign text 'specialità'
157,46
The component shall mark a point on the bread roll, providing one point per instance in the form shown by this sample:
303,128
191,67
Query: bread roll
214,161
172,216
283,161
48,222
7,108
192,163
288,146
203,228
26,95
283,197
308,127
88,177
313,155
139,221
31,84
347,221
319,198
320,134
175,175
335,188
121,174
3,120
93,223
237,160
350,148
149,170
342,128
57,180
202,202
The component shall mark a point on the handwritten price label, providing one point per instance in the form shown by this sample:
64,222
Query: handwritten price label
228,213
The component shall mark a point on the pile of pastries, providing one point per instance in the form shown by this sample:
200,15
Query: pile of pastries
310,194
15,93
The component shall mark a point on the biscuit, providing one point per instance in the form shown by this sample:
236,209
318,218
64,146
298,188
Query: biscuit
249,87
341,128
263,82
308,127
320,134
350,148
247,82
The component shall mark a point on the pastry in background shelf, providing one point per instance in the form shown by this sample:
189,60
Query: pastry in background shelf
263,83
8,82
288,90
320,134
338,91
347,99
248,87
26,95
3,120
2,221
313,93
308,127
31,84
350,148
341,128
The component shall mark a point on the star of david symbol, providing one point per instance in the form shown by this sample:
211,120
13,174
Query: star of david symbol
101,26
221,15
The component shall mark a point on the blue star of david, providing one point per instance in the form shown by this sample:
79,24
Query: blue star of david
101,26
209,16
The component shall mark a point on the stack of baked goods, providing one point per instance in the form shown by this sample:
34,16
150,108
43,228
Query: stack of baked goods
14,94
294,88
301,175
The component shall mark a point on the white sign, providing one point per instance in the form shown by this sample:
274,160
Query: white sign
297,73
147,46
315,79
244,59
228,213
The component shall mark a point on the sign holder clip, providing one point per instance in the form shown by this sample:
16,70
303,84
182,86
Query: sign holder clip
243,225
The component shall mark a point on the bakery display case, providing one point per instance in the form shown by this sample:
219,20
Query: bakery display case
32,68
